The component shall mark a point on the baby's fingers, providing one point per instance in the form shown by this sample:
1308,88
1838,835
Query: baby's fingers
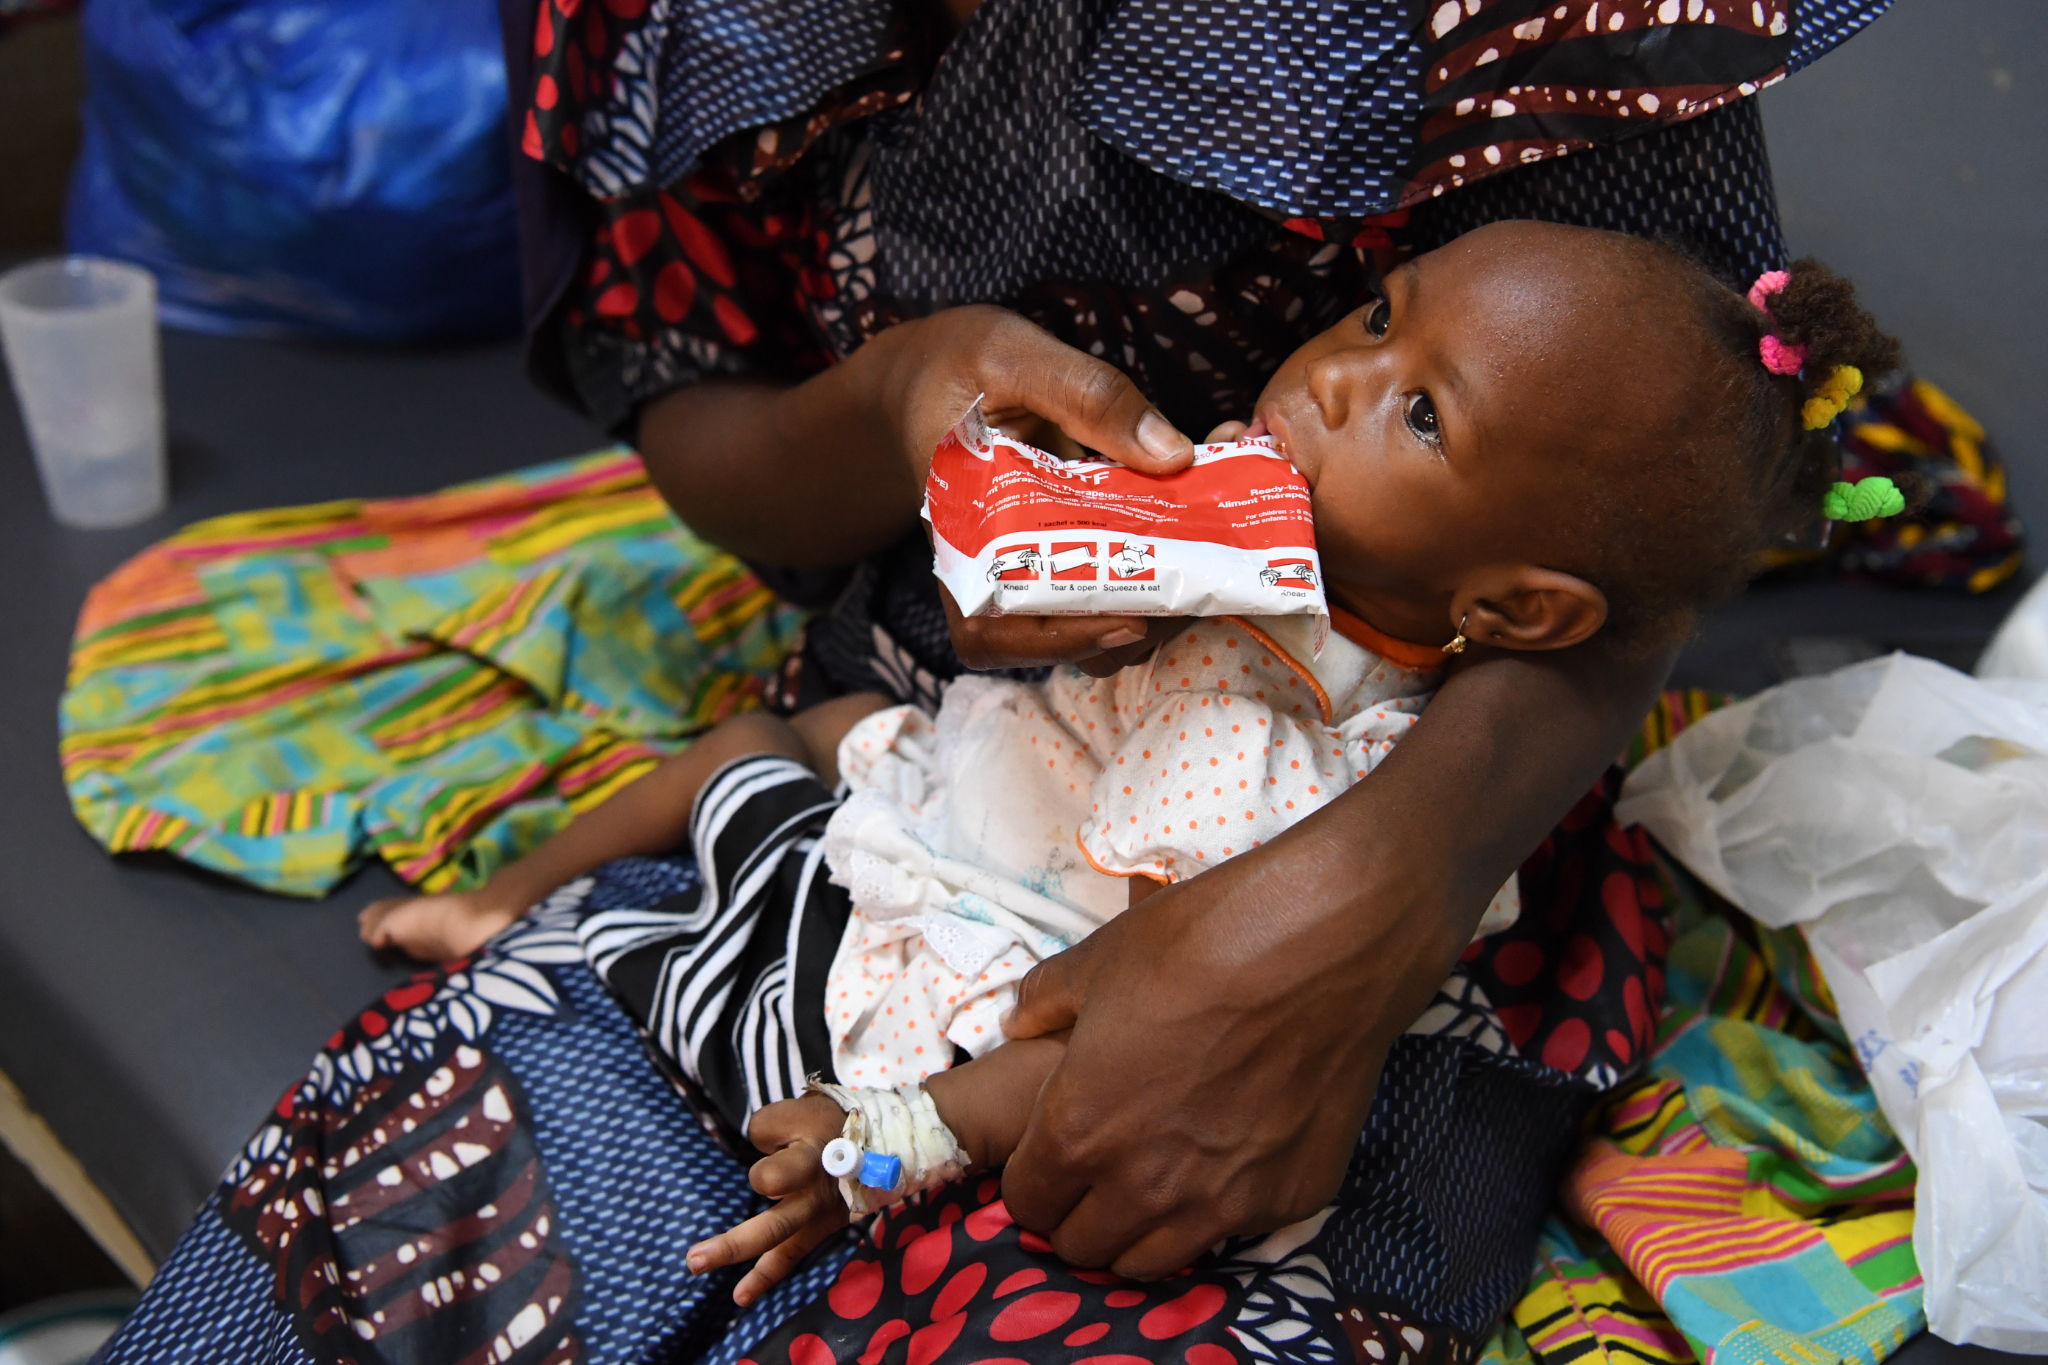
793,1170
780,1261
755,1237
817,1117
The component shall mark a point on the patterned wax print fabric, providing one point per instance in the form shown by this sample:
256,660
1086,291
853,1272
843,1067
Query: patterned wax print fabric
440,681
484,1165
1302,110
1743,1199
790,221
479,1166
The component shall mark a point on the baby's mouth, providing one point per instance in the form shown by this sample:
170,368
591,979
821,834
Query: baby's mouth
1274,424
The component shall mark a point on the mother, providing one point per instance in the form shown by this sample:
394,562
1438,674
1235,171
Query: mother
764,239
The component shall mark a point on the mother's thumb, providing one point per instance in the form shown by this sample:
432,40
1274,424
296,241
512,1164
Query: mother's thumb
1090,400
1049,998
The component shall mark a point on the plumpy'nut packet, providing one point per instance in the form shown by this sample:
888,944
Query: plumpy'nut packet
1016,529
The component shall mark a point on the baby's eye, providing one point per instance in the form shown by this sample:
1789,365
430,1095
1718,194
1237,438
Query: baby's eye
1421,418
1378,318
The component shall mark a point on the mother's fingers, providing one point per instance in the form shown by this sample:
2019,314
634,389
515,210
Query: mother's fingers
1165,1250
1054,1167
1122,656
1024,367
1031,641
1103,1231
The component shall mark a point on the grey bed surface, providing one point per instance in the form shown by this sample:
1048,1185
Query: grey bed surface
148,1012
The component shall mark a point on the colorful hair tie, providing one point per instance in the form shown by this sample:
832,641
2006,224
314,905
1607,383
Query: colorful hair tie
1843,383
1767,284
1780,358
1864,500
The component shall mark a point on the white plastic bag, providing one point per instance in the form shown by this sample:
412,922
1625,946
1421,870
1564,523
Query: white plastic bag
2020,649
1898,810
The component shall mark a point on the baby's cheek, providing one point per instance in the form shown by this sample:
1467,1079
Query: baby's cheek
1344,536
1399,533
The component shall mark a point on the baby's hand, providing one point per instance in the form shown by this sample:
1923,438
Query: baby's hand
808,1209
433,928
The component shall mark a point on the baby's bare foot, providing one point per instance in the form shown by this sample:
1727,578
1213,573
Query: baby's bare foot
433,928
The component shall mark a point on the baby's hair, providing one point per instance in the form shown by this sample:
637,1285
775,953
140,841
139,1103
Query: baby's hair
1690,529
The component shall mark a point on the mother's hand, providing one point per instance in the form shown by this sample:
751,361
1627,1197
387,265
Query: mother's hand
1228,1032
822,473
933,368
1028,381
1097,645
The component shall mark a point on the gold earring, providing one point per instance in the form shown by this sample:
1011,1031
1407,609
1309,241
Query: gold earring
1458,641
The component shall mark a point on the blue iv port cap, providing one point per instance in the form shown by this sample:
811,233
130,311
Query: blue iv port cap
880,1172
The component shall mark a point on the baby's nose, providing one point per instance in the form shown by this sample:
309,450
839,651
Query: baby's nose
1339,381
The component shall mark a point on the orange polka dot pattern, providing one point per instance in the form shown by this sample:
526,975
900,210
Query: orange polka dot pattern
1227,739
958,845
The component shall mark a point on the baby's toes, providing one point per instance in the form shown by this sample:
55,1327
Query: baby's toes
374,923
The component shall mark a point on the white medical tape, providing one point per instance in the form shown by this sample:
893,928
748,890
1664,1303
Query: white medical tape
903,1123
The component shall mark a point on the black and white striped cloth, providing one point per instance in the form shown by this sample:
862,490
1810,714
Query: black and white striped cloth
728,982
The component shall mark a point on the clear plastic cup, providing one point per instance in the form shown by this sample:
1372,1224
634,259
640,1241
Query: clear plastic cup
81,341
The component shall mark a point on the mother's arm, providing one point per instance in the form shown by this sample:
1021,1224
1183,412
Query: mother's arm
823,472
1228,1032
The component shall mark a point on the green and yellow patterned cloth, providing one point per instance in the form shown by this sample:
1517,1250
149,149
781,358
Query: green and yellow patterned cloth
441,681
1743,1201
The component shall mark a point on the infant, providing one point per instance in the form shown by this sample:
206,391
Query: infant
1535,438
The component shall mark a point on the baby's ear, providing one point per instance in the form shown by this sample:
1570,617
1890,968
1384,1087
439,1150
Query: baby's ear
1520,606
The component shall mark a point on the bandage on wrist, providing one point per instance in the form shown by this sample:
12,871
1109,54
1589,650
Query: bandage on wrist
883,1126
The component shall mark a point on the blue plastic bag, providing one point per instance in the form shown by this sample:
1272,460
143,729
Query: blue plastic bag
315,167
